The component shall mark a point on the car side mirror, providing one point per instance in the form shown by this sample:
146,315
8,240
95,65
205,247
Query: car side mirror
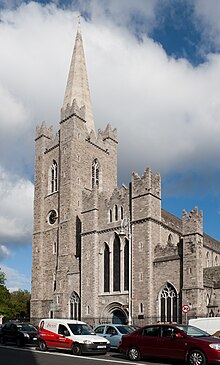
177,335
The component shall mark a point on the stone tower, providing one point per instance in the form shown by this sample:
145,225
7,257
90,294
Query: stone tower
66,164
146,218
193,287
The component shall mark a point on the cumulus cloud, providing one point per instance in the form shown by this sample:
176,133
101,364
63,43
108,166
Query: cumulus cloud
16,195
167,112
15,280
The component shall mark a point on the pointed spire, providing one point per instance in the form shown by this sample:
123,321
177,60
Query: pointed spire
77,84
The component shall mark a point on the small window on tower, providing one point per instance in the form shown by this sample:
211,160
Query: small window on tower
53,178
95,174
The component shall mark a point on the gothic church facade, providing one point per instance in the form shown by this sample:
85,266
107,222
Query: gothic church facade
103,253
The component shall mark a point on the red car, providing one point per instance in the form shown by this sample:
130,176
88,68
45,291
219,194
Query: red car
173,342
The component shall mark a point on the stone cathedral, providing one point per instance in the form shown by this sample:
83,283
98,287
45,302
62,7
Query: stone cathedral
108,253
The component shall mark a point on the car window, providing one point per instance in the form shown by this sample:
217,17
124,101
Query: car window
193,331
151,331
111,330
125,329
62,330
99,329
80,329
168,331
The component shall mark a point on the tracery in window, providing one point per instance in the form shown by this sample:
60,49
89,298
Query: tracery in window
168,304
95,173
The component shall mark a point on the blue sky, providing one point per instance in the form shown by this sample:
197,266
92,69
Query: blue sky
154,74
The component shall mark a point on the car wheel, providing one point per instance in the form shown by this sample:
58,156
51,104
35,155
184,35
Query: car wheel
134,354
76,349
42,346
19,342
196,357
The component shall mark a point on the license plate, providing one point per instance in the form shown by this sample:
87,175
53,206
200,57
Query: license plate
101,347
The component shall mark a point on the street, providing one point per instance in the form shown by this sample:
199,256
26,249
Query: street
10,355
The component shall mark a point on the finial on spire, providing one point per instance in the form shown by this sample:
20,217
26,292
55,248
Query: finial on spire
78,26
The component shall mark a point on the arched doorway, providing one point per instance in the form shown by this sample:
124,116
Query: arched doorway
118,316
115,313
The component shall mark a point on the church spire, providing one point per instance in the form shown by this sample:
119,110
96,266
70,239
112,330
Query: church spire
77,84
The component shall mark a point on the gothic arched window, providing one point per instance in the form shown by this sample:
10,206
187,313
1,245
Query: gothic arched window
116,212
75,312
126,265
168,304
95,173
106,268
116,264
53,178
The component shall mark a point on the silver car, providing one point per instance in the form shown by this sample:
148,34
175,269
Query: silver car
113,332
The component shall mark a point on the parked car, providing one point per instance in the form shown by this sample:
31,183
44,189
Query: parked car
70,334
172,342
113,332
207,324
18,333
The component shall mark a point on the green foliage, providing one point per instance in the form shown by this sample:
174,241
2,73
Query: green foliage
15,304
20,303
2,277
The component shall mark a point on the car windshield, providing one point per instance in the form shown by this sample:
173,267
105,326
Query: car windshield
193,331
125,329
80,329
26,327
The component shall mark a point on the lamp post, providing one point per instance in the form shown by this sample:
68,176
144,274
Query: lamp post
126,225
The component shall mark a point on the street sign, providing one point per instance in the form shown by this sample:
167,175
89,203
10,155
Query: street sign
185,308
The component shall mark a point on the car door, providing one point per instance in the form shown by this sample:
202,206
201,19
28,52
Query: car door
62,340
148,340
172,344
113,336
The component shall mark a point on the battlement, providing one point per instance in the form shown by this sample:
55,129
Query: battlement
44,131
72,109
147,183
108,133
192,222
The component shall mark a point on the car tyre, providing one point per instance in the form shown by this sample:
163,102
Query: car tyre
19,341
76,349
196,357
134,354
42,345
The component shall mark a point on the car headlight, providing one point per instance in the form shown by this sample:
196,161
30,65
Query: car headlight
87,342
215,346
26,335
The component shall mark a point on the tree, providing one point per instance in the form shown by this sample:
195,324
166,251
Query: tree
20,303
4,296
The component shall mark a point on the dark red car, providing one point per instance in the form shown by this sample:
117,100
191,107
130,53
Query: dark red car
171,341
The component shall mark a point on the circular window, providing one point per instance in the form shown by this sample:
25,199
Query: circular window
52,217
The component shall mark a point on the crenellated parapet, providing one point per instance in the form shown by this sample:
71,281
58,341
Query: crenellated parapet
72,109
108,133
192,222
44,131
104,139
147,183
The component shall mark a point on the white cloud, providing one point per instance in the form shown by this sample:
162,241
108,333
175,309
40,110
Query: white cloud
15,280
16,195
167,113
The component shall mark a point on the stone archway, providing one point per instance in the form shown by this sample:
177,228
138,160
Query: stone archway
114,313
